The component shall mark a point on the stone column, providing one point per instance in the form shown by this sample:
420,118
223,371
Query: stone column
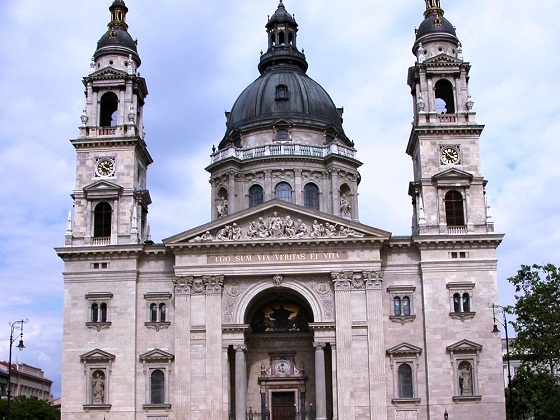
345,370
182,363
376,345
268,191
335,188
232,199
298,187
240,382
214,389
334,382
320,382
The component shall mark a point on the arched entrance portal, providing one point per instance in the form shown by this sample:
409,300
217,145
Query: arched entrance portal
281,358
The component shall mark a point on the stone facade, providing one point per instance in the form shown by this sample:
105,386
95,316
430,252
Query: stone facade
284,302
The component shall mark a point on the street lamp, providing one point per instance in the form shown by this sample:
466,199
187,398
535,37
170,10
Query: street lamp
15,326
496,331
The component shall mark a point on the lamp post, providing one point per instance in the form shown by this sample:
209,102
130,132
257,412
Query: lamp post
496,331
15,326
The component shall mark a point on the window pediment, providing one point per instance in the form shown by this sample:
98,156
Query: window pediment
156,355
452,178
465,346
102,189
97,356
404,349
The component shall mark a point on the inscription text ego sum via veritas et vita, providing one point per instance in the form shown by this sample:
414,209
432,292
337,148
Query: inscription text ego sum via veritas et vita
272,258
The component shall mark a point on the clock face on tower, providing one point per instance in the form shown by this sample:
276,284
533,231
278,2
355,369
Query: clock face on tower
105,167
449,155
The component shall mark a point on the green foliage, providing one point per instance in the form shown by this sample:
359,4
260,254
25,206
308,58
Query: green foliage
29,408
536,394
537,325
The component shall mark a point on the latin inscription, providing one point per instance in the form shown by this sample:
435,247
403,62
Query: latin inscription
273,258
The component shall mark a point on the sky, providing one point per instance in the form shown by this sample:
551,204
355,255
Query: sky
198,56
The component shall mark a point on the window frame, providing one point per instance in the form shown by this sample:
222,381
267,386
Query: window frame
311,195
405,354
291,191
152,361
461,289
401,292
158,299
99,299
253,191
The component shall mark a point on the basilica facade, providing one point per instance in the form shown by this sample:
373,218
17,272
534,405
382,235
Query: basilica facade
283,306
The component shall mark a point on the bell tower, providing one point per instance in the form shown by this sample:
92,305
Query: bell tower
110,196
448,195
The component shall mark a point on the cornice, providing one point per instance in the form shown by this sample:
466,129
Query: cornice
492,240
93,252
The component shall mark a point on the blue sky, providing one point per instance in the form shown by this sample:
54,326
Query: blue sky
198,56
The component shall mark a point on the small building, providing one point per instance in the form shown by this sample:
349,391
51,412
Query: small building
26,380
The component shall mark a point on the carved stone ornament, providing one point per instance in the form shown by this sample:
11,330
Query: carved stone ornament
181,285
278,227
277,280
357,280
233,290
197,286
213,284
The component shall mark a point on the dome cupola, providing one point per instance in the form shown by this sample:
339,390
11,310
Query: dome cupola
283,92
435,34
117,40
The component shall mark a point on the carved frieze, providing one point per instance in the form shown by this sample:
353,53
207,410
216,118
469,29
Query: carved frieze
277,227
357,280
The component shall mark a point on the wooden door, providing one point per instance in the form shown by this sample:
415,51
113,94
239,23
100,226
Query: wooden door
283,406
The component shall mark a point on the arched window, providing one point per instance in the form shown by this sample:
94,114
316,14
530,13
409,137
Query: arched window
162,310
103,312
255,195
108,113
454,213
397,306
102,220
281,93
405,381
456,302
466,302
311,196
153,312
283,191
95,312
281,38
157,387
406,305
445,104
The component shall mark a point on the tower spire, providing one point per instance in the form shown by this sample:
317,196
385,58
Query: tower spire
118,15
433,7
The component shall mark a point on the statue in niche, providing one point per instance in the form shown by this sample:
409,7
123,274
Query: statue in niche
223,208
345,206
421,53
98,387
465,378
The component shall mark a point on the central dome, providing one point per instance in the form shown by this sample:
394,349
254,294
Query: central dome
283,93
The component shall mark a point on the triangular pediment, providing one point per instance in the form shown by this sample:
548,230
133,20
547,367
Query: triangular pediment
443,59
277,220
404,348
97,355
102,189
452,173
156,355
464,346
107,72
102,185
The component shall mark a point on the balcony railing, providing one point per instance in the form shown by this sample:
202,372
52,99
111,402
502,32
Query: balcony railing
101,241
287,149
457,230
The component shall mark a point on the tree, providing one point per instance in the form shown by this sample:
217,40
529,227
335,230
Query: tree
537,326
28,408
536,394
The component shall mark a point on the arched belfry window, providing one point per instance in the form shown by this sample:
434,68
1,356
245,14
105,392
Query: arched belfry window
454,211
108,112
102,220
445,103
283,191
281,38
311,196
255,195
